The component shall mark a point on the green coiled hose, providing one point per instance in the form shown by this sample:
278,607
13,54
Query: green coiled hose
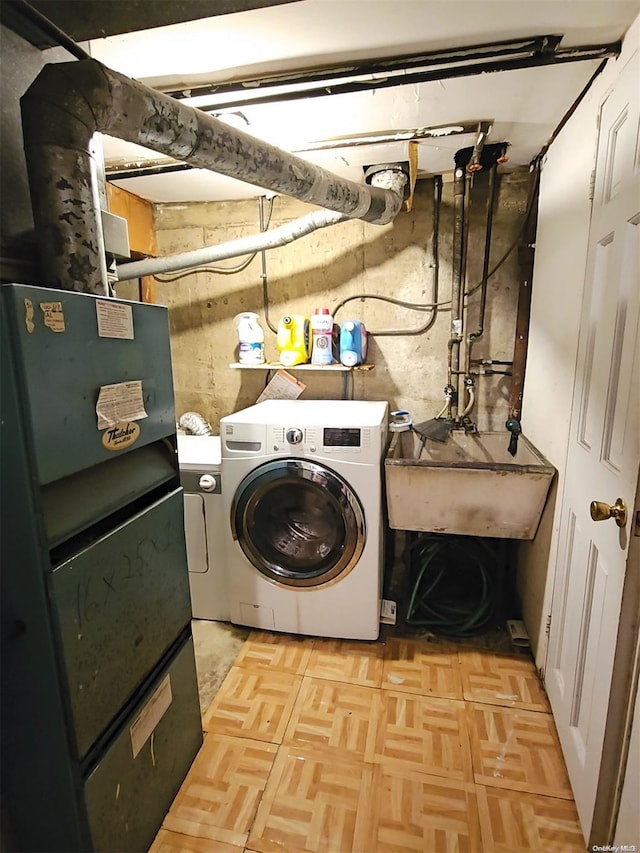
458,587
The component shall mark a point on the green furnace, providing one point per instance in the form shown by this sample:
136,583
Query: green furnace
100,712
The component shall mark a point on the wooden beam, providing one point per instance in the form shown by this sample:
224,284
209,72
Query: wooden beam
413,173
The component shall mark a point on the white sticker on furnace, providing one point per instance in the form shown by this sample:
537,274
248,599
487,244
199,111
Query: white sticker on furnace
120,402
53,316
114,320
146,721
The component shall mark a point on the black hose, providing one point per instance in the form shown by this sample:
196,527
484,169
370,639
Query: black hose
458,585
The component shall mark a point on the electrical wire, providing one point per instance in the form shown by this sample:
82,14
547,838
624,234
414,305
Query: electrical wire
217,270
416,306
411,306
446,304
435,265
264,278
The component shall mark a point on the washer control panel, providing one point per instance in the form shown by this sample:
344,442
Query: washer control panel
318,439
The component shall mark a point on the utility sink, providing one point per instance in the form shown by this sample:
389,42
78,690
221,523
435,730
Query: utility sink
469,485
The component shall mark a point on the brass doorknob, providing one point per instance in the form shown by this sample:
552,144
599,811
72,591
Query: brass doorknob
601,511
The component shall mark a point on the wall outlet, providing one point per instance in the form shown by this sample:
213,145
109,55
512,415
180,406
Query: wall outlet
387,612
519,636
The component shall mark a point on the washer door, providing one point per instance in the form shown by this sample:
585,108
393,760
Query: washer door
298,522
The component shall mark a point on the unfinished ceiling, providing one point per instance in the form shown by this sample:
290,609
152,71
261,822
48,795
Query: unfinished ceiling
88,19
345,132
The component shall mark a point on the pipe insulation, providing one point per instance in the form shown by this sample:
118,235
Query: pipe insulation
286,233
69,102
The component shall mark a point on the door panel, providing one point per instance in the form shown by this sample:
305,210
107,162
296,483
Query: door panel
603,454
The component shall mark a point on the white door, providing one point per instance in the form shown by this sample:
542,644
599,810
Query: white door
604,450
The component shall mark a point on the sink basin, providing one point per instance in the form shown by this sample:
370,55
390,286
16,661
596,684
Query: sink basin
469,485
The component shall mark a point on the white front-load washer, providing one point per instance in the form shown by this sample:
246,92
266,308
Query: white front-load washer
303,504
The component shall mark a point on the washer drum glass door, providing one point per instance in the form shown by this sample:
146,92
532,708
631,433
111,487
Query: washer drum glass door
298,522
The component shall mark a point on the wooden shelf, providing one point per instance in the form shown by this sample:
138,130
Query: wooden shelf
336,368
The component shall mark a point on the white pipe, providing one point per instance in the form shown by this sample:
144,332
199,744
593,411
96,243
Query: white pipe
286,233
442,410
469,406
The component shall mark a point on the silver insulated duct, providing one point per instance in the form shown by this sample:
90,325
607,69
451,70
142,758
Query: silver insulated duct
69,102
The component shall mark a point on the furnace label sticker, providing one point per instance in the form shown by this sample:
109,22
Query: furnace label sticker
28,316
146,721
53,316
114,320
120,436
120,403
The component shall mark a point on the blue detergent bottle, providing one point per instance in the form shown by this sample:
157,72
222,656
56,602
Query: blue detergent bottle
353,343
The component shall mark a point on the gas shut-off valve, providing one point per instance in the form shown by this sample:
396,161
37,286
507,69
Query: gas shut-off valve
515,429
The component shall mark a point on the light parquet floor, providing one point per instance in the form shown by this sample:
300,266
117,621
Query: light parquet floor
327,746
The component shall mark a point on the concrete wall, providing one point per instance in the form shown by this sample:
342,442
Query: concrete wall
323,269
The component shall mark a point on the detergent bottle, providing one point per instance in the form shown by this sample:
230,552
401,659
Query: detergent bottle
321,334
294,340
250,337
353,343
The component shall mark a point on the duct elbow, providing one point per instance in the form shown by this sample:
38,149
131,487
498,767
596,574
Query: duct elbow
392,178
69,102
61,111
63,104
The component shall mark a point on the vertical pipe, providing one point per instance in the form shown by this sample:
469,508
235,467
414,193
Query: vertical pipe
491,203
457,286
475,163
526,253
468,181
263,273
435,243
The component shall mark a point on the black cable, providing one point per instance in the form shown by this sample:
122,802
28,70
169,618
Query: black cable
50,29
416,306
263,273
435,255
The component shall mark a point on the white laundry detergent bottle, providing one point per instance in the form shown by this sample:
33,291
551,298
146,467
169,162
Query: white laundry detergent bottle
321,333
250,338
